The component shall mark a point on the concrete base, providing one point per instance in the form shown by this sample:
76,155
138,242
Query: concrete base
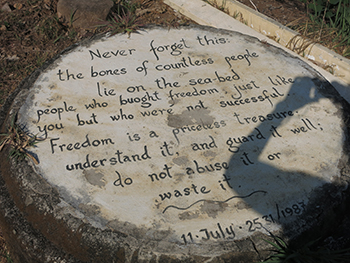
44,222
264,28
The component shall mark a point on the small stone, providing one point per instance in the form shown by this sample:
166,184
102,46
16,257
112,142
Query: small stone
84,14
18,6
6,8
12,58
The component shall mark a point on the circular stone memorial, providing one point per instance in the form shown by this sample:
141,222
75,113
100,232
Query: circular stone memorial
170,145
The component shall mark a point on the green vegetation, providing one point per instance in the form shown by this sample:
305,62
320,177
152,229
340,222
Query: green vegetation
221,7
4,254
331,17
123,18
19,141
7,257
31,33
335,13
328,24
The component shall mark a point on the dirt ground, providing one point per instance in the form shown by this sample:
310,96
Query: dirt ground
31,33
284,11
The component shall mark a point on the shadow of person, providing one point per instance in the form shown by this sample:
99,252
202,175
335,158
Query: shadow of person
280,168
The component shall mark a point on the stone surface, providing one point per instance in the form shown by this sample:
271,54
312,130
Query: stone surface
6,8
84,14
184,144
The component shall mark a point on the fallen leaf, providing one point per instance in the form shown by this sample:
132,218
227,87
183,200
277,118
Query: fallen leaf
18,6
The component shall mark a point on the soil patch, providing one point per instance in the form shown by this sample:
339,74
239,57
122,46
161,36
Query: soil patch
283,11
295,15
31,33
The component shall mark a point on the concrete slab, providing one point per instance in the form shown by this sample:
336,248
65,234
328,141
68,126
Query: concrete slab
205,14
187,144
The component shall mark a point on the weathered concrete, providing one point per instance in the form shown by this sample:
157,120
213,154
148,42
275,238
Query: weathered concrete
84,14
173,145
205,14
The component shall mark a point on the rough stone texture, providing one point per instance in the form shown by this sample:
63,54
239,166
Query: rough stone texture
84,14
6,8
290,180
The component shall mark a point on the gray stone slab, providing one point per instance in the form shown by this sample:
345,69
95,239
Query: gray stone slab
186,142
84,14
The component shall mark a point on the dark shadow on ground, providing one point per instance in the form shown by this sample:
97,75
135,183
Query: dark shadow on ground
257,178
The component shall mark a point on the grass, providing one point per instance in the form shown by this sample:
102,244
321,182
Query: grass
326,35
123,19
305,253
32,33
215,4
4,254
18,140
7,257
328,25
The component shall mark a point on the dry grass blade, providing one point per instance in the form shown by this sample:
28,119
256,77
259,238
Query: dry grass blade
221,7
4,142
325,35
300,44
4,255
32,158
18,140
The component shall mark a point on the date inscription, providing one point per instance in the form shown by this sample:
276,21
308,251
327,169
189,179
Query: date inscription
221,232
